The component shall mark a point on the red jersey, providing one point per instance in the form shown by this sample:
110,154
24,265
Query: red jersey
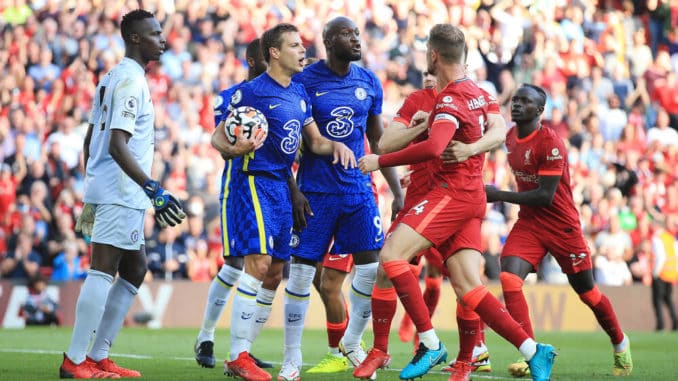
464,104
420,100
542,153
460,113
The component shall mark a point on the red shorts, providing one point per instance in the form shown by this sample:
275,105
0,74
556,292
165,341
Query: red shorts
339,262
449,222
531,242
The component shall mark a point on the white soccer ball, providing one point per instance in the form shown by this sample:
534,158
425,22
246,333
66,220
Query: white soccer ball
249,119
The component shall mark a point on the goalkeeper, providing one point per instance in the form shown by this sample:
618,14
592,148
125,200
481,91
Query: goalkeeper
118,153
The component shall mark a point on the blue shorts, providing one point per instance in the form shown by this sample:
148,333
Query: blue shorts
257,215
352,220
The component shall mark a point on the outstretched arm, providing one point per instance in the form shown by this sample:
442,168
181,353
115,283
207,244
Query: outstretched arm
494,137
440,134
399,134
540,196
320,145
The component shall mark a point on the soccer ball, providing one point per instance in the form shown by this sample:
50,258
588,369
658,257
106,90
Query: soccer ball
249,119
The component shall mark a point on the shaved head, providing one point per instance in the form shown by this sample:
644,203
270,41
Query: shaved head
335,25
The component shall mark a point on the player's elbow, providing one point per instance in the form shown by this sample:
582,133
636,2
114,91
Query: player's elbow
115,150
545,199
214,141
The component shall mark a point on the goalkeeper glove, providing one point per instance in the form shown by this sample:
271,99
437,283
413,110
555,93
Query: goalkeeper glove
85,222
168,211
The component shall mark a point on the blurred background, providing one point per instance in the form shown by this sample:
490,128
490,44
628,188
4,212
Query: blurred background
609,68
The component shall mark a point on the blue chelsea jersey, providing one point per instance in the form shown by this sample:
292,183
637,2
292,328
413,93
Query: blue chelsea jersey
341,106
221,112
287,110
221,103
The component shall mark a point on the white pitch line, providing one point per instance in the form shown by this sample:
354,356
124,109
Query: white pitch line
144,357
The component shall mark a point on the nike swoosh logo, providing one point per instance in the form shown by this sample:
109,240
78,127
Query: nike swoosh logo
378,239
320,93
333,258
271,107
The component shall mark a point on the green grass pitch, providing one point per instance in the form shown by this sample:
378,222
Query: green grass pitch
35,354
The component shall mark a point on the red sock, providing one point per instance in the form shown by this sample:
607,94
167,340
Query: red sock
480,337
512,287
384,302
493,313
602,308
468,323
432,293
335,331
409,292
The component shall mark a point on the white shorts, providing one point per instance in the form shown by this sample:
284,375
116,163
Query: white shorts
118,226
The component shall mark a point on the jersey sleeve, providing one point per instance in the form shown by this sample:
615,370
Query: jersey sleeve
126,104
407,110
378,95
239,98
446,112
95,115
220,108
551,159
308,116
429,149
492,103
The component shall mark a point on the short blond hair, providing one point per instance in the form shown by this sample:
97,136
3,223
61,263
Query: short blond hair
449,42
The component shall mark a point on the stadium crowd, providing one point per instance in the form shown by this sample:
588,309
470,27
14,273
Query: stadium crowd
609,68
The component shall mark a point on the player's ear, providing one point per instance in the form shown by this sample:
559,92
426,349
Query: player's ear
274,52
327,41
540,110
134,37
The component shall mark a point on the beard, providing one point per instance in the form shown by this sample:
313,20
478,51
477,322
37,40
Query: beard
349,56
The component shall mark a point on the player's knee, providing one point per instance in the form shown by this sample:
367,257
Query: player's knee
510,282
591,297
133,274
465,312
329,288
259,268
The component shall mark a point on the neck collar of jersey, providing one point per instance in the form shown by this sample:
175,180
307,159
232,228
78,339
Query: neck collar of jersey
329,70
134,64
528,137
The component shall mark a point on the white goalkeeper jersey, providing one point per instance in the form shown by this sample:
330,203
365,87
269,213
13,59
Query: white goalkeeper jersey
122,101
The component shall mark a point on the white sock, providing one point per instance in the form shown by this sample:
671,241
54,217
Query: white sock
621,346
217,296
430,339
528,348
243,311
264,304
360,297
297,295
88,312
120,298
